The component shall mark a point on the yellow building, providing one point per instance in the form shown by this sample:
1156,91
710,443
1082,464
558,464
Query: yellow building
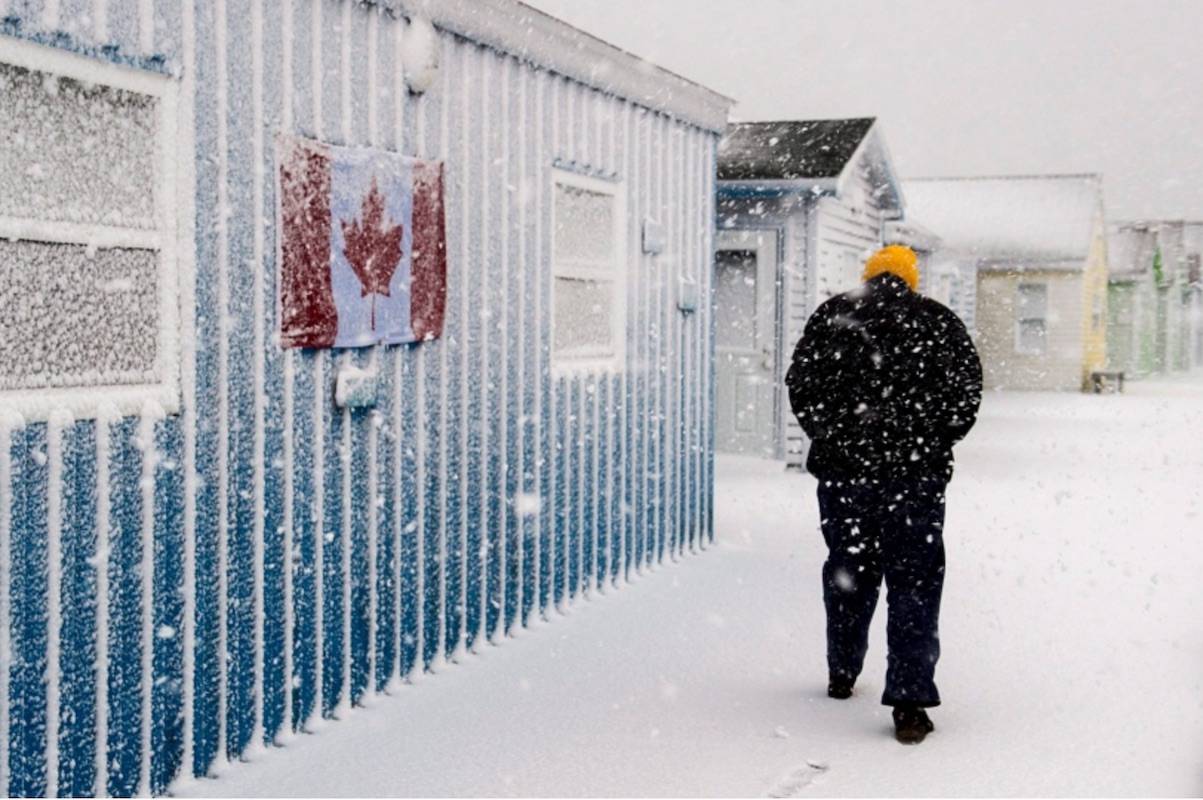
1038,247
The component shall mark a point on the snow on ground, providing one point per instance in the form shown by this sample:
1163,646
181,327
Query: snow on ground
1072,633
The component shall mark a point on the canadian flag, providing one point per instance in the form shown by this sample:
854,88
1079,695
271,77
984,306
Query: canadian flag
363,255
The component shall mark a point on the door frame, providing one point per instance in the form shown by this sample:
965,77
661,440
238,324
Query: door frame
770,239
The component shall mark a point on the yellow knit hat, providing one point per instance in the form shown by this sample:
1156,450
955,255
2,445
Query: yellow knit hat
895,259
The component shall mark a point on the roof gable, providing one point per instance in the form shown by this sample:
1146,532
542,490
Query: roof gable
790,149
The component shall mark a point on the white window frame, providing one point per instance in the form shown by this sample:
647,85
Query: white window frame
93,401
596,359
1019,348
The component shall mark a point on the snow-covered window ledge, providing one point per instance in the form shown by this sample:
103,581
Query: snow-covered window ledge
588,297
89,282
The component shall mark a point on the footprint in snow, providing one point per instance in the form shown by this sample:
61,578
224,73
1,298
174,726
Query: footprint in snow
798,779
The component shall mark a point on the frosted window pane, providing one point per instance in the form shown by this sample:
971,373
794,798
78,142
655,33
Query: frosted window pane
73,153
735,299
582,316
1031,336
74,319
1033,301
584,226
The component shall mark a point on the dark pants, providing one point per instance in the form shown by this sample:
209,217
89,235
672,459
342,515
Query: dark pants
890,530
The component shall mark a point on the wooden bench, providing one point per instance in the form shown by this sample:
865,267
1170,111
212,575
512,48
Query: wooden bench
1100,379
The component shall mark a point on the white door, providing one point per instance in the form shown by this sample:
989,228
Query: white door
745,278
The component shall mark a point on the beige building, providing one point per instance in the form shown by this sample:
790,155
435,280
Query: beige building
1038,247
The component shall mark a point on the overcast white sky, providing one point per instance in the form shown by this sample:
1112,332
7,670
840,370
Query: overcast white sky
962,87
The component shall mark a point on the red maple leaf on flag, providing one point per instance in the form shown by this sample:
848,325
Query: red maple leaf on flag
373,247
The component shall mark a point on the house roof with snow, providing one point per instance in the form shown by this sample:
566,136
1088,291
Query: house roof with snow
998,221
789,149
534,36
782,156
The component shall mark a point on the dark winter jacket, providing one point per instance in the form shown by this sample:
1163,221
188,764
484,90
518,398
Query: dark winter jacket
884,381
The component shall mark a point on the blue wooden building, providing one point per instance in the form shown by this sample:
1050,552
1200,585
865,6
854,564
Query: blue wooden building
200,549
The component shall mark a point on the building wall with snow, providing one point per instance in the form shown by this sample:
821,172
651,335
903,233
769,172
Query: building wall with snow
1058,364
1179,290
1156,293
1072,316
189,573
1131,300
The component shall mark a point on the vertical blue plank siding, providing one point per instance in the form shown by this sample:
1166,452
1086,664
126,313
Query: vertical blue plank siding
585,478
384,594
601,491
658,373
407,510
167,616
570,473
333,422
77,735
528,273
125,641
451,351
335,552
27,723
684,336
470,172
548,540
426,135
560,444
639,385
508,336
360,544
306,527
334,457
305,534
384,417
630,142
490,81
616,463
277,562
355,38
207,683
240,484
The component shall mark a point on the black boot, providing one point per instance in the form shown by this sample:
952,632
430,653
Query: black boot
911,724
839,687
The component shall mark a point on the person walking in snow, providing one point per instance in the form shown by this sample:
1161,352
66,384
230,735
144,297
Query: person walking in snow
885,381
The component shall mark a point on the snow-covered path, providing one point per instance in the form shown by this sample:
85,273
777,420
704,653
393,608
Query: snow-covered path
1072,632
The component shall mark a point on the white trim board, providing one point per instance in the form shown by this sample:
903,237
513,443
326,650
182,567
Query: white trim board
86,401
610,359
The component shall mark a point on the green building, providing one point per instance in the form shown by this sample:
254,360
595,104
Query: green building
1155,297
